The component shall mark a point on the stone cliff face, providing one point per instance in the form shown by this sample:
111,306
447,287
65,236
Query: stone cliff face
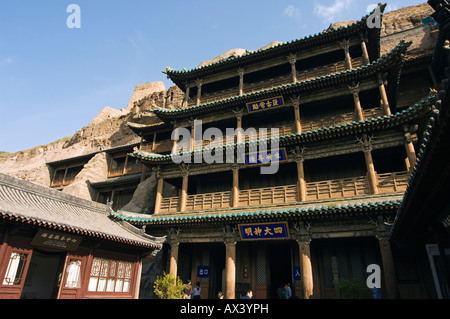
109,128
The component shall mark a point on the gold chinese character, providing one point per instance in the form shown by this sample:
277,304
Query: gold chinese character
258,231
252,159
268,231
275,102
269,104
261,158
278,230
277,155
262,105
255,107
269,157
248,231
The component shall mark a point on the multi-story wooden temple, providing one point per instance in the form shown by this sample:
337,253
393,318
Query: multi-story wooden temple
344,152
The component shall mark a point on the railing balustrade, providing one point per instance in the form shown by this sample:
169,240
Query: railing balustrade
324,190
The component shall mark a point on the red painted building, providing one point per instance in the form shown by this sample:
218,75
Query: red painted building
54,245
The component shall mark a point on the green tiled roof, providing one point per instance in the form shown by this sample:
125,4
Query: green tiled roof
328,36
393,58
367,125
307,211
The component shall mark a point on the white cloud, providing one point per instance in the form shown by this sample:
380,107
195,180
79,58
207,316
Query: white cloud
331,13
291,12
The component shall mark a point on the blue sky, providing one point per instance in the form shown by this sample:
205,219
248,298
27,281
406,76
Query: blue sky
54,80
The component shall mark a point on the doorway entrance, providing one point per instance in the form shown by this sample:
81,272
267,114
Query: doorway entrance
280,268
44,275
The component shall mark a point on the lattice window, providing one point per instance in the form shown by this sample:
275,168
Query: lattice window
15,271
73,274
109,275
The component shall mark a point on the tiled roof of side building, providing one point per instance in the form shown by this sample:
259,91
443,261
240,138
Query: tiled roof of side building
327,36
392,60
25,202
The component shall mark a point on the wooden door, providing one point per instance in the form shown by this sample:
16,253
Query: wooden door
13,271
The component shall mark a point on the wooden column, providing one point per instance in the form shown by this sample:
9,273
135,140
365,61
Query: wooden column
306,266
292,58
301,178
235,194
159,192
410,150
174,246
239,114
390,278
192,147
384,98
175,142
358,109
365,53
199,91
230,269
348,59
241,81
186,96
298,124
366,147
184,189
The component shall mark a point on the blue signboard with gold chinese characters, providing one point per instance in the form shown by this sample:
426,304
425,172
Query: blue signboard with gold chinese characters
264,231
266,157
264,105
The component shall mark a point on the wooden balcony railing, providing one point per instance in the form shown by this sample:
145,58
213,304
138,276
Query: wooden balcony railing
341,188
208,201
302,75
268,196
317,191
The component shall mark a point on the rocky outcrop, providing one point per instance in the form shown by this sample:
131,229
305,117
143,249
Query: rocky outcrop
96,170
144,90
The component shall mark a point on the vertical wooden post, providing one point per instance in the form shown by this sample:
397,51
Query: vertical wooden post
184,190
159,192
365,53
230,269
174,247
238,115
410,151
358,109
306,266
186,96
366,147
298,124
241,81
235,195
192,147
348,59
199,91
301,178
175,142
384,98
390,278
292,58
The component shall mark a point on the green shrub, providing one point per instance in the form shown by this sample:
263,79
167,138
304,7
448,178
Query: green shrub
353,290
166,287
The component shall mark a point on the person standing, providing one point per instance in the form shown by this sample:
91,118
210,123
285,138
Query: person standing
287,291
197,292
248,295
187,290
